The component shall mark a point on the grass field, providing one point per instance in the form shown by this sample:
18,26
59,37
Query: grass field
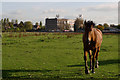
55,55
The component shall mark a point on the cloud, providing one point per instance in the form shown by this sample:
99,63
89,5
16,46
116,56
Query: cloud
103,19
38,13
101,7
100,13
17,12
53,11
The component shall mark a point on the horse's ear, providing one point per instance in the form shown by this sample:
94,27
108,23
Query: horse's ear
92,23
85,22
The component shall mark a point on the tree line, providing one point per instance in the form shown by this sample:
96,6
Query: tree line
79,25
14,26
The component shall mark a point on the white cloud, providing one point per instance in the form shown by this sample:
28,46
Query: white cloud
101,7
17,12
107,19
99,13
53,11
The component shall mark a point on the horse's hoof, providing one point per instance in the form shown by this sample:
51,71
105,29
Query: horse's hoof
96,66
90,69
93,71
87,72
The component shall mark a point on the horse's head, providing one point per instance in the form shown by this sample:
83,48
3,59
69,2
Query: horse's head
89,25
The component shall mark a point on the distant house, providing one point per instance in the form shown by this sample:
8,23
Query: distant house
55,24
71,22
36,27
15,25
51,24
7,27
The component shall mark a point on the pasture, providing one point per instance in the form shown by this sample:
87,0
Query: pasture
55,55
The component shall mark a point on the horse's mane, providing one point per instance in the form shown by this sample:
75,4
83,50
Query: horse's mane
89,23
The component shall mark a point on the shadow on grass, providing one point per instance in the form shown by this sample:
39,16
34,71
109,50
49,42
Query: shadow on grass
8,73
27,71
104,62
79,65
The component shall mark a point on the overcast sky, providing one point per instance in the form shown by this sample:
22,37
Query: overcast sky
59,0
99,12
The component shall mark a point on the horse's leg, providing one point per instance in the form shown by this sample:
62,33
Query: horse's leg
86,66
97,54
90,56
93,60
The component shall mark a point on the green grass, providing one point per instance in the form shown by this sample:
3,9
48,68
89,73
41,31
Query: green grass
54,55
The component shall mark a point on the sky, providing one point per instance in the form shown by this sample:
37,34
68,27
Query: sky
99,12
59,0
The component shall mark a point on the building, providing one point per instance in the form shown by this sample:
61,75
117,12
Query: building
51,24
71,22
36,27
56,24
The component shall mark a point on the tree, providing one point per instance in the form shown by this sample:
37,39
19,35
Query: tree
40,24
100,27
43,27
2,25
7,20
28,25
105,25
12,21
16,21
17,29
1,22
78,24
11,25
118,26
3,29
24,30
36,23
21,24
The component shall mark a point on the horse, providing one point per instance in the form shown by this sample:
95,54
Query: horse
92,39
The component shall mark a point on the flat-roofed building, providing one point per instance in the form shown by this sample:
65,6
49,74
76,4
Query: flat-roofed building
59,24
51,24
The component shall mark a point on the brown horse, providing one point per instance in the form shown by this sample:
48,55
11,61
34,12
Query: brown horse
92,40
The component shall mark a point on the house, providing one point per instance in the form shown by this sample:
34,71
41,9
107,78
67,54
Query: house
56,24
51,24
36,27
71,23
